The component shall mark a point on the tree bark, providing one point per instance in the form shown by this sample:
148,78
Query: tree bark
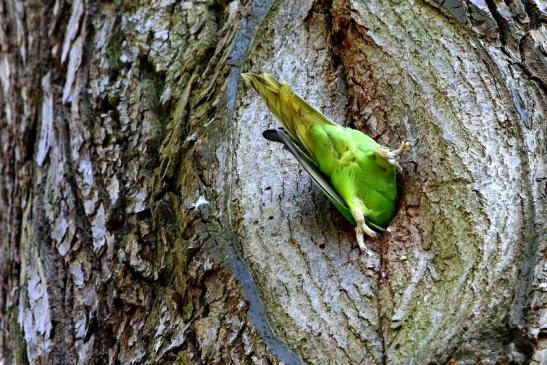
145,220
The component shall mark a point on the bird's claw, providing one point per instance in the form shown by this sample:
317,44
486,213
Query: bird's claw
361,229
405,147
360,239
369,232
391,155
395,164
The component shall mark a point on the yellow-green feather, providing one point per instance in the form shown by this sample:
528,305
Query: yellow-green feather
294,113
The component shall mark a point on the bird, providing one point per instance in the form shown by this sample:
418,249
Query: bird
357,174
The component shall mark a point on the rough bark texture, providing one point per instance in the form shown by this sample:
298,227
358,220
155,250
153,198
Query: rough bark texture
145,220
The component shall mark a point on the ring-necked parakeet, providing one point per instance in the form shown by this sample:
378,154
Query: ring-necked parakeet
357,174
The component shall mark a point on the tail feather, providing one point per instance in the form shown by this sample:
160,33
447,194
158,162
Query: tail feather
294,113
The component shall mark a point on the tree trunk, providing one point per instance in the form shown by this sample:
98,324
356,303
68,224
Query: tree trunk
145,220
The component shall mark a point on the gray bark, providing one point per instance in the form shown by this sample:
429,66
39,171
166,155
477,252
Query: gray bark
145,220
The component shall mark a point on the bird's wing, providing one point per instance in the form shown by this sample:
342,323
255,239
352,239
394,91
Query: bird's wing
281,136
296,115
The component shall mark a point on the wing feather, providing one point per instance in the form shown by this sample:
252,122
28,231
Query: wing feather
281,136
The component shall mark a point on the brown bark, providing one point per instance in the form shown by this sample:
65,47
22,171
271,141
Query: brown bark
145,220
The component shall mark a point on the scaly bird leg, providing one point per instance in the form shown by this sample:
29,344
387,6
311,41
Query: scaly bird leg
391,155
362,228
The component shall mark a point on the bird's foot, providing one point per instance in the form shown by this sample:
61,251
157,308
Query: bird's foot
405,147
361,229
391,155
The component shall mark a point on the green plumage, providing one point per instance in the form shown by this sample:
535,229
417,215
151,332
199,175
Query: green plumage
353,163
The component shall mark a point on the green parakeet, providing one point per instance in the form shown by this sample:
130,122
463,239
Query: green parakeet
357,174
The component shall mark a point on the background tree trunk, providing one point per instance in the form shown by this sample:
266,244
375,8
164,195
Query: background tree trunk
145,220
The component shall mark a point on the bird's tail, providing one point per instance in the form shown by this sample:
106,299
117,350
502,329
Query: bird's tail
294,113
